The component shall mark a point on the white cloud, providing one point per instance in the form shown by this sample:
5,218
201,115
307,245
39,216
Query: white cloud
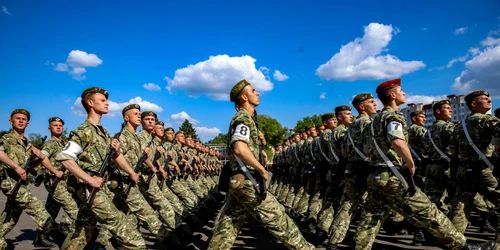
362,59
207,132
481,73
116,108
474,51
425,28
460,31
458,59
151,87
278,76
264,70
322,95
425,99
77,62
179,118
6,11
216,76
490,41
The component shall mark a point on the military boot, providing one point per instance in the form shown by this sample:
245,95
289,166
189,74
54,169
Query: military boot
64,228
41,240
489,245
486,227
311,227
418,238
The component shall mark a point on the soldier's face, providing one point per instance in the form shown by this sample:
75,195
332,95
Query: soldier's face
170,135
133,117
320,130
346,116
180,138
19,121
296,138
313,132
400,96
420,119
330,123
148,122
252,95
189,141
446,112
159,130
370,106
56,128
303,136
99,103
481,103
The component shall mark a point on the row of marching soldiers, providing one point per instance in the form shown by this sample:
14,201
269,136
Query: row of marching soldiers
375,167
157,178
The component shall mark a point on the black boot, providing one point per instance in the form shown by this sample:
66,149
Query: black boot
418,238
311,227
64,228
194,222
331,246
41,240
98,246
489,245
486,227
186,235
321,237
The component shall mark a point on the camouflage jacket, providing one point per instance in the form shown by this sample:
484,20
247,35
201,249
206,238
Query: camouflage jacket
293,154
481,129
416,134
317,151
337,138
306,151
387,125
243,128
356,130
325,142
441,133
169,146
130,148
145,140
51,148
94,141
17,149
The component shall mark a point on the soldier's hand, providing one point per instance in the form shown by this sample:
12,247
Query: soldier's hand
59,174
38,153
135,178
96,182
148,151
164,174
115,144
21,172
160,149
411,167
265,175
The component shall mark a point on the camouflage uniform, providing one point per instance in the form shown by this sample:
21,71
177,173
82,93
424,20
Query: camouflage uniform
60,197
94,140
308,179
243,199
320,178
189,199
19,150
416,134
385,187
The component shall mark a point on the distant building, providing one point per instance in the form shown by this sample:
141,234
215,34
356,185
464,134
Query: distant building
222,149
457,102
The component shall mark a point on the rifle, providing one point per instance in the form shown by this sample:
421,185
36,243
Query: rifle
412,188
167,160
28,167
104,166
263,184
139,164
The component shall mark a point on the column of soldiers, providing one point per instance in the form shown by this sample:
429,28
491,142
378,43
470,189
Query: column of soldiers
164,181
376,168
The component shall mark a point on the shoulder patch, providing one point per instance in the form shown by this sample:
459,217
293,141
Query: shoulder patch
392,126
243,131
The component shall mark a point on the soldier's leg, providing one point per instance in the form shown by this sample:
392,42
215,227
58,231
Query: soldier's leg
8,220
188,198
375,212
464,198
66,201
160,203
174,201
227,225
435,186
194,187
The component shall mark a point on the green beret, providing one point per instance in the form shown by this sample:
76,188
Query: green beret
158,122
361,98
327,116
56,119
179,132
417,112
21,111
497,112
308,127
342,108
468,98
302,131
131,106
169,129
148,113
188,136
95,90
236,90
295,134
438,105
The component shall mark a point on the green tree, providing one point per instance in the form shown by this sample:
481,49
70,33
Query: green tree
219,139
35,139
306,121
188,129
273,131
65,134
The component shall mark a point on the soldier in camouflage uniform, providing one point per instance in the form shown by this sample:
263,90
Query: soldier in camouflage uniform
474,173
87,145
291,166
243,198
387,147
15,150
58,196
356,170
309,172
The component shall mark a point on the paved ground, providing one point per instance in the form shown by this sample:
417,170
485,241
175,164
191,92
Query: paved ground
253,236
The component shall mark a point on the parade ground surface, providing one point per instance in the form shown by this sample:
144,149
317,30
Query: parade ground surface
252,236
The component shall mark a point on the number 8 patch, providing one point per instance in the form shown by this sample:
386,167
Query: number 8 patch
243,131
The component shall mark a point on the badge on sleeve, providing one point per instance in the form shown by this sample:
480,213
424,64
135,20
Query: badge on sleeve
393,126
243,131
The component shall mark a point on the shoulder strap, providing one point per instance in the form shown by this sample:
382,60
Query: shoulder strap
481,155
444,156
414,153
331,149
323,153
311,150
363,156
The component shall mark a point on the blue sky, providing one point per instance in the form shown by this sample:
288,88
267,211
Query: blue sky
180,58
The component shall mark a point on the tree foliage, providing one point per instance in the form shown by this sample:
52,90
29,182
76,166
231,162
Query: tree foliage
219,139
273,131
306,121
188,129
35,139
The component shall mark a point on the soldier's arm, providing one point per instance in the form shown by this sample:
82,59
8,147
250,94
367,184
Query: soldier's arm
46,163
123,164
6,160
75,170
243,152
397,138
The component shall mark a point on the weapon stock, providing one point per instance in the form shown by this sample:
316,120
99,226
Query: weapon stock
139,164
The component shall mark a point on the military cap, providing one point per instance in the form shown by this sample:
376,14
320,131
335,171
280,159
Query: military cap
327,116
417,112
237,88
56,119
497,113
388,85
21,111
438,105
468,98
95,90
179,132
308,127
188,136
342,108
361,98
148,113
302,131
296,133
169,129
131,106
158,122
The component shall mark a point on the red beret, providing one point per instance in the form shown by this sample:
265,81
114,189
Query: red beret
388,85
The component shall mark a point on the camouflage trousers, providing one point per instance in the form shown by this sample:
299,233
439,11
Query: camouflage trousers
135,206
303,205
188,198
155,197
277,188
284,192
316,202
325,216
386,189
60,198
243,201
290,196
175,201
107,214
193,186
436,183
24,201
297,197
472,178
